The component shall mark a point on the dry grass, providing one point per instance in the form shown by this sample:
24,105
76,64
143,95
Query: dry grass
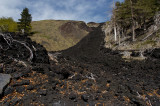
48,33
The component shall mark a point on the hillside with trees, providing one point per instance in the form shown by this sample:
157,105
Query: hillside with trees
88,73
135,21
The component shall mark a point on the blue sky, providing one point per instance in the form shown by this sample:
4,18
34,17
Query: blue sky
83,10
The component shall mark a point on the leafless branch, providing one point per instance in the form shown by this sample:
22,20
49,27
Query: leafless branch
9,40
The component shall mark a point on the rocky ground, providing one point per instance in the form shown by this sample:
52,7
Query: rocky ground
85,74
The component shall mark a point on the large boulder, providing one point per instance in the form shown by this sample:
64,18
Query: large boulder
4,80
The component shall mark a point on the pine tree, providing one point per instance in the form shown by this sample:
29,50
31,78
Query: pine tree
146,10
133,14
25,21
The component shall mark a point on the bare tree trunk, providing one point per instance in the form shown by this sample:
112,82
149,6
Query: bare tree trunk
119,35
119,39
9,41
115,33
123,33
144,24
115,29
133,22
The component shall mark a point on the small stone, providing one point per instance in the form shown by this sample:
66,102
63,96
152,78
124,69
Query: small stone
88,84
23,82
26,72
54,86
43,92
17,75
72,96
31,87
38,69
9,70
8,90
20,89
85,97
158,92
98,91
6,104
77,77
1,70
108,81
15,101
96,97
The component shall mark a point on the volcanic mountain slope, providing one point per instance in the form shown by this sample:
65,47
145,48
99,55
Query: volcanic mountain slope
57,35
85,74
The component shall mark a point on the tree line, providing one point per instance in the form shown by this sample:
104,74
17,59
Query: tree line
7,24
133,14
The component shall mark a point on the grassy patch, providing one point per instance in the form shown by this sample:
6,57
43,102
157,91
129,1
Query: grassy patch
49,31
145,44
152,42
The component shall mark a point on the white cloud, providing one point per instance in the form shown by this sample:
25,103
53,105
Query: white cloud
84,10
9,8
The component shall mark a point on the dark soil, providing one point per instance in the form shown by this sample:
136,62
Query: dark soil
86,74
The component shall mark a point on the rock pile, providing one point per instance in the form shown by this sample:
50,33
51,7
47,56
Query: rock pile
18,57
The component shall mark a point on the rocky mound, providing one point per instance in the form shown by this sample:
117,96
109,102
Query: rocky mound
18,57
22,48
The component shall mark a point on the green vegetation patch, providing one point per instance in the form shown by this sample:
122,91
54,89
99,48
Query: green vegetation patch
7,25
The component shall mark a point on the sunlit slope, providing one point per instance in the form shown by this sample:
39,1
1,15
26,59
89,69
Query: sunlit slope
57,35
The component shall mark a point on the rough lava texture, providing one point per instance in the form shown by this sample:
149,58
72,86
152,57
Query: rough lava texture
85,74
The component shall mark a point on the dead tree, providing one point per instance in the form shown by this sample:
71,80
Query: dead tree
133,22
114,22
9,40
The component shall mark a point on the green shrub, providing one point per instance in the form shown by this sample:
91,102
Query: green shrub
7,25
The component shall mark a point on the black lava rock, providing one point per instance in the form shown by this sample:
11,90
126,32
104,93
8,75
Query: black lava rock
20,89
30,87
9,70
85,97
43,92
158,92
17,75
15,101
8,90
38,69
23,82
72,96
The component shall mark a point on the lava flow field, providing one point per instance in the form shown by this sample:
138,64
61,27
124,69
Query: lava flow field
86,74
